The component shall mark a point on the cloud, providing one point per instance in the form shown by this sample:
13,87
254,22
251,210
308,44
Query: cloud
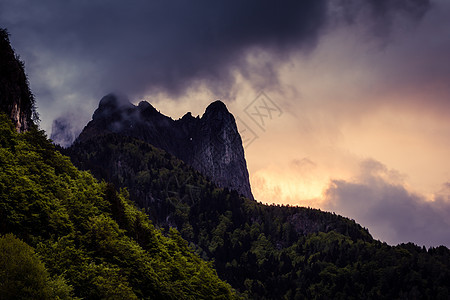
142,45
91,48
377,199
63,132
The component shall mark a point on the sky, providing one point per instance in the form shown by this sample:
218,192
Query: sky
342,105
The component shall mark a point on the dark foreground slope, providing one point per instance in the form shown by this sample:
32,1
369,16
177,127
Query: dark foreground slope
266,252
81,238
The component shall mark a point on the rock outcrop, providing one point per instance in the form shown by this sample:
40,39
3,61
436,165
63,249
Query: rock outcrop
211,144
16,99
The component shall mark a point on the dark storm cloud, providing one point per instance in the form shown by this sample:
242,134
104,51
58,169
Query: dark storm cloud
378,200
142,45
78,51
137,45
380,13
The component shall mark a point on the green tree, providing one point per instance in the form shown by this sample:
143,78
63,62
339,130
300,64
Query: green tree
24,276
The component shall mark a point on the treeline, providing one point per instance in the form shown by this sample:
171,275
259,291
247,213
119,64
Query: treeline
64,235
266,252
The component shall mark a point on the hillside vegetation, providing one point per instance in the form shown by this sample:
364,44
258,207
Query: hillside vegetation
65,235
265,251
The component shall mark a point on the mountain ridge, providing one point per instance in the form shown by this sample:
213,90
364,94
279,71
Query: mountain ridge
211,143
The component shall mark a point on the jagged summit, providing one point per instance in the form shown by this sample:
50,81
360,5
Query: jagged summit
147,110
110,104
143,105
110,100
216,106
188,115
211,143
218,115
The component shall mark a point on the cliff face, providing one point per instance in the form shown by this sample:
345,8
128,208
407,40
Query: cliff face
16,99
211,144
218,151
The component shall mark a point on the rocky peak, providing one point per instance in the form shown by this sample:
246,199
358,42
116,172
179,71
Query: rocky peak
187,116
216,107
211,144
16,99
218,151
145,106
217,115
111,104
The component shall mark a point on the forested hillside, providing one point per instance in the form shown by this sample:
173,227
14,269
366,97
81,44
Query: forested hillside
265,251
65,235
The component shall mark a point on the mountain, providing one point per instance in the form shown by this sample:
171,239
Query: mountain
264,251
210,144
16,99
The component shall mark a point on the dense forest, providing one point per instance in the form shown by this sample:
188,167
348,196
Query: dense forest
265,251
65,235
